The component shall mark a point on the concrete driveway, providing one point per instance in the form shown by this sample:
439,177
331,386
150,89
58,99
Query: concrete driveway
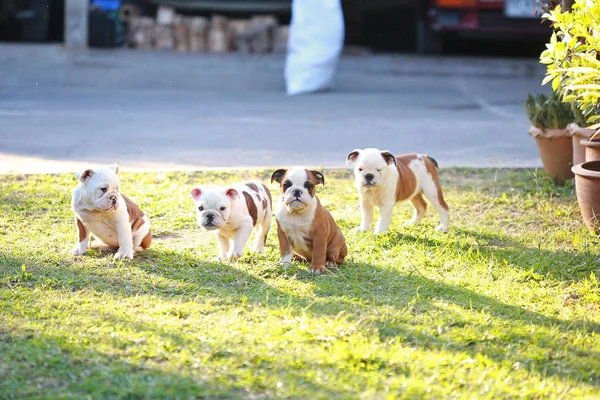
60,111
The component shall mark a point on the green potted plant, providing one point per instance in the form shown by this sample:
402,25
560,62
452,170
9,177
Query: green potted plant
549,118
574,70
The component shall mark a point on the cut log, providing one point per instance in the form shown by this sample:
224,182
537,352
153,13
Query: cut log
163,37
182,34
140,32
238,38
218,35
262,33
198,28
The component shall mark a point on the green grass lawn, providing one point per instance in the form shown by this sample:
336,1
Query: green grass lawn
506,304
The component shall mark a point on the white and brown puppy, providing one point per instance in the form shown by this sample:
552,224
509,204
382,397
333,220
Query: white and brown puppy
232,213
306,230
101,209
382,180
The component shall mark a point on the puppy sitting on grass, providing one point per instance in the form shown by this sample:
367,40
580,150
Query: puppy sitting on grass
232,213
306,230
101,209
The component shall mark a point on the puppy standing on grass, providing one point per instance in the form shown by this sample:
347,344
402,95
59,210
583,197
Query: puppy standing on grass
232,213
113,218
383,180
304,227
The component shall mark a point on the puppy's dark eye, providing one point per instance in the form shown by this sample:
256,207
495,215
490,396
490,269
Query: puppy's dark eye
201,208
286,185
360,169
222,208
308,185
103,190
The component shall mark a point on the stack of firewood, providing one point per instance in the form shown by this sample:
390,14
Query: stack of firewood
170,31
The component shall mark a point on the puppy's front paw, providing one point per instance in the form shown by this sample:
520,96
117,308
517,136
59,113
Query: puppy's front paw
318,269
442,228
79,250
411,222
286,260
380,231
234,255
124,253
360,229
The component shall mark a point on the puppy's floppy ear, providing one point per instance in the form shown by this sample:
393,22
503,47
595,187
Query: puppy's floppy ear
388,157
85,175
114,168
232,193
351,158
196,193
278,175
318,176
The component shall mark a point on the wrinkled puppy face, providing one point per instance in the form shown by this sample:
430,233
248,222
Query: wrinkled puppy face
101,187
297,186
371,166
213,206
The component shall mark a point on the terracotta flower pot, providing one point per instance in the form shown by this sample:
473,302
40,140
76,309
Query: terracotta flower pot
592,149
556,150
579,134
587,184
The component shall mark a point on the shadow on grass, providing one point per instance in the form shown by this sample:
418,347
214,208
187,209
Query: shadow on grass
519,336
52,367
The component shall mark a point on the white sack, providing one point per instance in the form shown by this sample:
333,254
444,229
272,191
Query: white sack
314,45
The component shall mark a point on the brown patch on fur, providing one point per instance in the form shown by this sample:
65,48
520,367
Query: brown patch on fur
135,214
433,171
314,177
327,241
264,204
407,182
419,204
136,219
268,195
81,230
145,243
251,207
252,186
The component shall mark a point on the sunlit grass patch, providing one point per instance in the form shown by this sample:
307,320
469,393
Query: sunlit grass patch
506,304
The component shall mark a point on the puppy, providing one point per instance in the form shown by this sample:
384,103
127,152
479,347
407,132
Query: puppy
304,227
232,213
383,180
114,219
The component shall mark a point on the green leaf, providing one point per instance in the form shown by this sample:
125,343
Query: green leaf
556,83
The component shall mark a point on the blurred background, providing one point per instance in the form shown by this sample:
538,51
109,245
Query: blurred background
482,27
187,84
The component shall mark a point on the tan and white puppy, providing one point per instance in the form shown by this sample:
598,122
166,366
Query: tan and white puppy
306,230
101,209
232,213
382,180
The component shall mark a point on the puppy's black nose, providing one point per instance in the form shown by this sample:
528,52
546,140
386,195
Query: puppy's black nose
297,193
113,198
210,217
369,177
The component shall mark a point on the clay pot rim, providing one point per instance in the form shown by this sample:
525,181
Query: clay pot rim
590,143
584,169
539,133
